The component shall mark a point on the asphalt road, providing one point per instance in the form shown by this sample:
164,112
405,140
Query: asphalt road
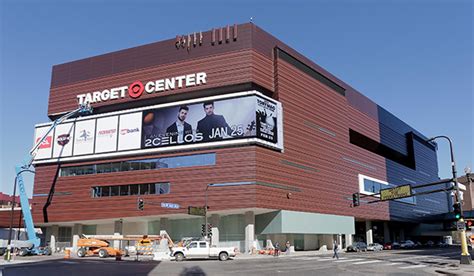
397,262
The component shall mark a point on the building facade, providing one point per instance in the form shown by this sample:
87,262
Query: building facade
274,144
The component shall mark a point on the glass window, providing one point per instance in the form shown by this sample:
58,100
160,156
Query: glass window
105,191
104,168
125,166
97,192
115,167
114,190
124,190
164,188
133,189
152,189
64,234
145,165
202,245
193,245
144,189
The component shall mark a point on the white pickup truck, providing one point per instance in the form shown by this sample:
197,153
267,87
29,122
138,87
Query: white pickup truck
201,250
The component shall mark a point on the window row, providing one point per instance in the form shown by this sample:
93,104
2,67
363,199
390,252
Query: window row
130,190
207,159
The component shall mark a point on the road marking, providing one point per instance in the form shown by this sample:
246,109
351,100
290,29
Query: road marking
412,266
324,259
368,262
349,260
392,264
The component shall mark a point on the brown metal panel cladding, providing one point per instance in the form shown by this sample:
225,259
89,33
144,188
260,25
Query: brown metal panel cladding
187,188
329,183
5,219
239,67
141,57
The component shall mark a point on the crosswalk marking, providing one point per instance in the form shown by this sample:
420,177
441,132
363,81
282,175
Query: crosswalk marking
413,266
324,259
392,264
349,260
369,262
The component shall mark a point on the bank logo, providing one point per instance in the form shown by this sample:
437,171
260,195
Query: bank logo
107,132
46,144
63,139
84,136
128,130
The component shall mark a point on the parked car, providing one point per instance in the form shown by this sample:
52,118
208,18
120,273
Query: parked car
395,245
442,244
407,244
387,246
429,243
374,247
357,247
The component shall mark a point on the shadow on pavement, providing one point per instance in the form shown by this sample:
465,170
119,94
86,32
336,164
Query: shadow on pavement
192,271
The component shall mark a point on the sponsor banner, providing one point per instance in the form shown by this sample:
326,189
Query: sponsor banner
63,140
248,117
46,148
106,134
200,122
84,137
267,120
130,131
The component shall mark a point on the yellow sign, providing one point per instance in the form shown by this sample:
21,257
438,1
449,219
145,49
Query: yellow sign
395,193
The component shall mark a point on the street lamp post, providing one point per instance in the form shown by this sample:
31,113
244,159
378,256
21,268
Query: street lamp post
465,257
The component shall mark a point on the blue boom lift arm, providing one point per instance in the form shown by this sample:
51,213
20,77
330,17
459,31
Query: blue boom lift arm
83,109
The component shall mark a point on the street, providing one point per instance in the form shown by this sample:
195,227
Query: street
434,261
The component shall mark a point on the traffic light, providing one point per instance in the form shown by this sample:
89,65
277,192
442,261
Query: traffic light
140,204
203,230
355,199
209,229
457,210
469,224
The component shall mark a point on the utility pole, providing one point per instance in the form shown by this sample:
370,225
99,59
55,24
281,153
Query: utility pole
465,257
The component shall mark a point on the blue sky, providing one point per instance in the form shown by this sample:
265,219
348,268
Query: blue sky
414,58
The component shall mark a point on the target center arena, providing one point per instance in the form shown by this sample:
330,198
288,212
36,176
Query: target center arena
276,144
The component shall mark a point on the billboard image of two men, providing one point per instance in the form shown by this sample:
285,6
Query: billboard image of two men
186,124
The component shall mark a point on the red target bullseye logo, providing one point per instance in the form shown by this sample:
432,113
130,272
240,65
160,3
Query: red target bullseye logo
135,89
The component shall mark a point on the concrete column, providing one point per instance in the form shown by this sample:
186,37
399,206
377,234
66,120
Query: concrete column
368,232
54,236
76,232
386,232
348,240
215,237
249,219
165,224
402,234
118,230
339,240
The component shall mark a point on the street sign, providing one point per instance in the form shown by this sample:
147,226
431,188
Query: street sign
196,211
169,205
395,193
461,225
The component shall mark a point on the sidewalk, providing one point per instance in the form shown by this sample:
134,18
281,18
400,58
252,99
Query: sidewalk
292,254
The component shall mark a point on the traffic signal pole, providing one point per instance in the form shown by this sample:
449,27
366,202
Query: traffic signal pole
465,257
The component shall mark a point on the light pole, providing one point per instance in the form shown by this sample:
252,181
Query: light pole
465,257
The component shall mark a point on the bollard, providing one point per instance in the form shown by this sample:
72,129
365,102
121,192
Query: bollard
67,254
118,256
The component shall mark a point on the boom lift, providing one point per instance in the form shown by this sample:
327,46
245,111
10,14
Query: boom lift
83,109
